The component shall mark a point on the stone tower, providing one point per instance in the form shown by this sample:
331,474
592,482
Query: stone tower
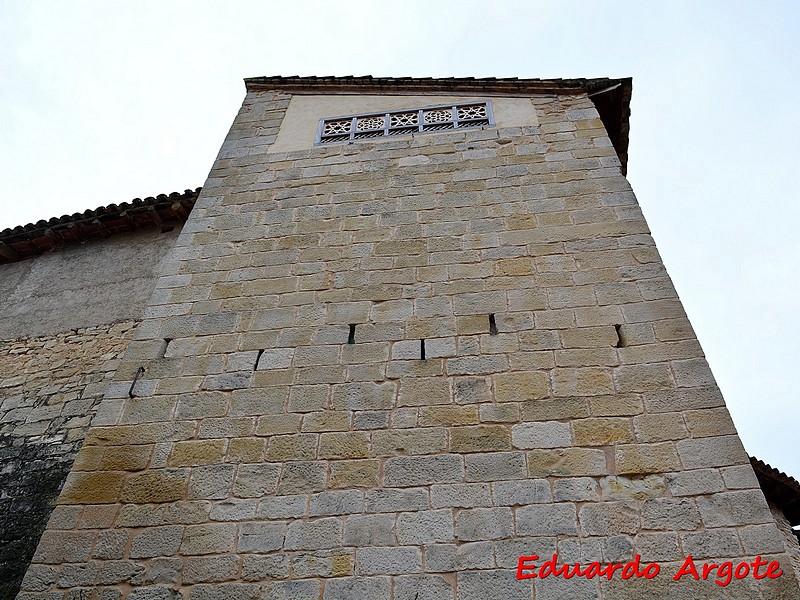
412,330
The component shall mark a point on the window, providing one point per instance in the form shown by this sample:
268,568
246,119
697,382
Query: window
404,122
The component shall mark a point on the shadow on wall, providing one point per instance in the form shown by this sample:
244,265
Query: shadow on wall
30,481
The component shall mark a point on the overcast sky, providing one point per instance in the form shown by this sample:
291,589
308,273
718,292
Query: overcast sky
102,102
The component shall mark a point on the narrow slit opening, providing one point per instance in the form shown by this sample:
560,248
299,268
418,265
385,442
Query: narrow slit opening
165,347
492,325
620,341
351,337
422,349
258,358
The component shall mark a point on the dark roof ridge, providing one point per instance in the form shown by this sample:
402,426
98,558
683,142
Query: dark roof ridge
498,84
779,488
33,239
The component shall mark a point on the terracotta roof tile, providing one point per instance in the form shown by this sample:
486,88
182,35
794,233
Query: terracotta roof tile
33,239
779,488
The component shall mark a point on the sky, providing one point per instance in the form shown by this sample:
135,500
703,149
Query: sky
105,101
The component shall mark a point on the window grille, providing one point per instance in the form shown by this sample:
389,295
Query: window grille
404,122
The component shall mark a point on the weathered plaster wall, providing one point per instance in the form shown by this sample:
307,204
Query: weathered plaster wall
81,286
265,457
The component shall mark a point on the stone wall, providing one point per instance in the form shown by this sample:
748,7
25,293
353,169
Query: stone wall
49,391
66,318
789,538
289,439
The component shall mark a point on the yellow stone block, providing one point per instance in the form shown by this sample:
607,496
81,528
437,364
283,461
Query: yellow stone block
709,422
431,416
424,391
602,431
100,487
126,458
521,386
342,565
344,445
278,424
246,450
88,458
482,438
155,486
354,473
517,222
108,436
644,459
197,452
567,462
292,447
516,266
582,382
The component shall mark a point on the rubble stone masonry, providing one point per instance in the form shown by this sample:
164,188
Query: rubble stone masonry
49,391
287,439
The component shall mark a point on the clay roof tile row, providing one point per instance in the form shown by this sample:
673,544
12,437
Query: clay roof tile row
779,488
33,239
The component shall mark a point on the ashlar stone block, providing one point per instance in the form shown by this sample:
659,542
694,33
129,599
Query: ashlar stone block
609,518
479,524
314,535
423,391
366,588
404,471
567,462
727,509
336,502
618,487
493,585
495,466
157,541
425,527
546,434
521,386
293,590
57,547
670,514
208,539
644,459
369,530
364,396
606,431
261,537
422,587
460,495
542,520
521,492
480,438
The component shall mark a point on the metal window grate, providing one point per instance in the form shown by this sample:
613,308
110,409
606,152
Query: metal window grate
404,122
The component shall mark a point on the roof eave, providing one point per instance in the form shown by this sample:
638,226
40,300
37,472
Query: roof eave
610,96
779,488
34,239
